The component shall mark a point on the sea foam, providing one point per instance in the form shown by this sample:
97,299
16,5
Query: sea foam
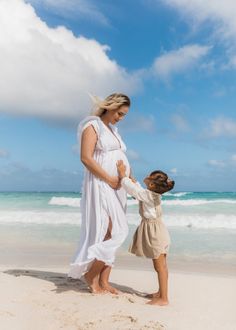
74,218
65,201
75,202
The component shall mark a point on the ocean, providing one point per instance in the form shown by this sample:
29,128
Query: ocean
202,225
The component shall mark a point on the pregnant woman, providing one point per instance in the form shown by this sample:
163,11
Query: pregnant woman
103,204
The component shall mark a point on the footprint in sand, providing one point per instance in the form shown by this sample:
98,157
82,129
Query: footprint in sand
126,297
119,317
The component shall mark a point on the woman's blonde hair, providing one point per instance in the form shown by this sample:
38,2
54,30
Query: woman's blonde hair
111,102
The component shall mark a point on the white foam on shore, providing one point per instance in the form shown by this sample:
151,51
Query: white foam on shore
75,202
193,202
194,221
40,218
177,194
65,201
74,218
202,221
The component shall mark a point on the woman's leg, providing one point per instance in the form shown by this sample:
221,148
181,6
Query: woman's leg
92,276
160,267
106,270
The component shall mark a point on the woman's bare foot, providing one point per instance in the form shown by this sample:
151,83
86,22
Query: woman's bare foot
158,301
109,288
153,295
93,284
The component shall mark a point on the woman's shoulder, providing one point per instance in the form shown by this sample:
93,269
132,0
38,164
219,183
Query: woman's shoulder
95,121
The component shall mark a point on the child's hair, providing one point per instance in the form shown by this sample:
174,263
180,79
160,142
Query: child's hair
159,179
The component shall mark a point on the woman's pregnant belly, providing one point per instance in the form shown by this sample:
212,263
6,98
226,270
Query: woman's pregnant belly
110,160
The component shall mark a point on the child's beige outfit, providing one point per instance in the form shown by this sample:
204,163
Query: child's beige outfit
151,238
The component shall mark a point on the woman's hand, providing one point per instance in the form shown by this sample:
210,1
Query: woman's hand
114,182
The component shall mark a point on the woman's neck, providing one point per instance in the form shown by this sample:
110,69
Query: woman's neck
105,120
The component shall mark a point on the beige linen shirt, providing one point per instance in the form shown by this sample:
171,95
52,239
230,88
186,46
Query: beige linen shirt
150,210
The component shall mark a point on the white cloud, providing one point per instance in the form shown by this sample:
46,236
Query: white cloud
47,72
222,126
173,171
4,153
73,9
228,163
216,163
138,123
180,123
220,14
179,60
133,155
233,159
18,177
76,149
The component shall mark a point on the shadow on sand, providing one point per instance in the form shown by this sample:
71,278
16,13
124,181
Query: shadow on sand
64,283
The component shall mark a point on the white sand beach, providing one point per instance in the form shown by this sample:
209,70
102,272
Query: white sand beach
44,298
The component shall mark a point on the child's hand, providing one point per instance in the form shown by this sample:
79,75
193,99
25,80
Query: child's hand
121,168
132,179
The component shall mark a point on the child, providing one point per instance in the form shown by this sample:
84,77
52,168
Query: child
151,238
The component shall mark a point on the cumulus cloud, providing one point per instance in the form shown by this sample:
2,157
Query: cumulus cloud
46,72
228,163
133,155
18,177
174,170
233,159
216,163
76,149
180,123
220,14
83,9
218,11
222,127
4,153
179,60
137,122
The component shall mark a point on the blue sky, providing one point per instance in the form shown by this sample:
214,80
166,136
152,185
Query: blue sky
176,59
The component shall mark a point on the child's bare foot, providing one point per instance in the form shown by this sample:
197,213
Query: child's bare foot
153,295
109,288
158,301
93,284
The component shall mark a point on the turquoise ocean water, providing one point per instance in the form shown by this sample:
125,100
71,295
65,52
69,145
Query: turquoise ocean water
202,225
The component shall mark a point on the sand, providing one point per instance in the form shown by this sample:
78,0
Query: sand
44,298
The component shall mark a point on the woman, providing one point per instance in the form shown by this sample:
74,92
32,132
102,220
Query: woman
103,205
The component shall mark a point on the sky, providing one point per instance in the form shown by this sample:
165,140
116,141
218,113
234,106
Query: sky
176,59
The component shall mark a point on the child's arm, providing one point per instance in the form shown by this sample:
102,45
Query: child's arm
133,189
132,177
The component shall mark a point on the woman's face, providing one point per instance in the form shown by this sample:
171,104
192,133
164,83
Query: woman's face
116,115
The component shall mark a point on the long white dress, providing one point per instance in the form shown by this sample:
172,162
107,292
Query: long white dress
100,202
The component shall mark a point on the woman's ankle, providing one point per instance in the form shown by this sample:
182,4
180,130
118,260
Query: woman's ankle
103,282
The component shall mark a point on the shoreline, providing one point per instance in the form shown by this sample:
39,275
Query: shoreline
60,257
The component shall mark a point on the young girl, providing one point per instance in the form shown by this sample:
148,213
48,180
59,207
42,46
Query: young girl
151,239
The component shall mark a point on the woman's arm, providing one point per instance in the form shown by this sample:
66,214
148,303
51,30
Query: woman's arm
88,143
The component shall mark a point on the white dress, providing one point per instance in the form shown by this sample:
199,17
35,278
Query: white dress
99,202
